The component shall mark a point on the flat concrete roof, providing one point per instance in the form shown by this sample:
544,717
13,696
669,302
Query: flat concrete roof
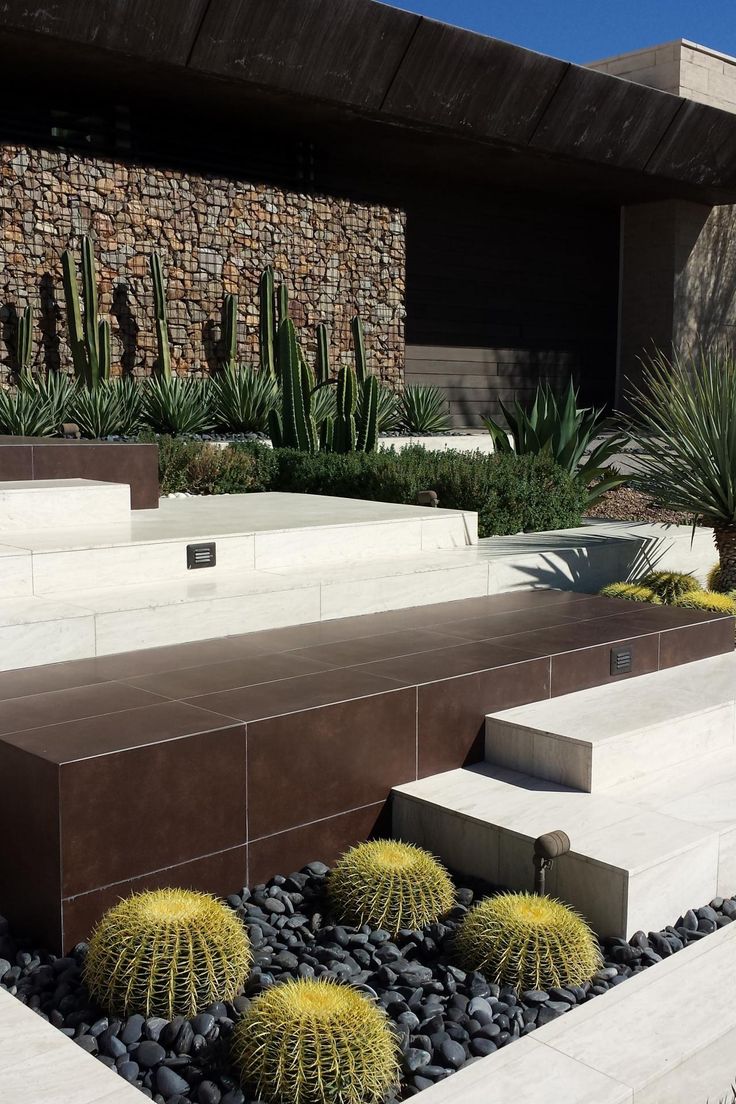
396,67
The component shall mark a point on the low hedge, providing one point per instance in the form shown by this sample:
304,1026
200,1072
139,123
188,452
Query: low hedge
509,493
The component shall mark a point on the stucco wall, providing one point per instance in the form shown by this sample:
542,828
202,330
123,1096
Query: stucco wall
214,235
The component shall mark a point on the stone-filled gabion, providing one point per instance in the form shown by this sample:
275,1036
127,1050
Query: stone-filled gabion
167,952
215,235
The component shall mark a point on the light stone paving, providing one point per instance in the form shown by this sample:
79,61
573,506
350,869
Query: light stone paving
39,1065
657,834
284,560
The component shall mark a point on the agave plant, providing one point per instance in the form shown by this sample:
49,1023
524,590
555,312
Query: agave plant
567,432
112,409
55,391
26,414
684,418
423,409
388,415
178,405
243,399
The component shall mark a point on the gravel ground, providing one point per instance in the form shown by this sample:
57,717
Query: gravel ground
626,504
444,1017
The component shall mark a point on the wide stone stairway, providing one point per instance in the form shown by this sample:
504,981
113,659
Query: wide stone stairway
640,774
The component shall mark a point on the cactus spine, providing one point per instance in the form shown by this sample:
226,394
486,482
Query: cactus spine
89,337
163,362
230,331
24,342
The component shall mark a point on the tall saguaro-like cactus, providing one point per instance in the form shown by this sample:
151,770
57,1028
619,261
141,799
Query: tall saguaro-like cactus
163,361
24,341
89,337
294,427
230,331
266,322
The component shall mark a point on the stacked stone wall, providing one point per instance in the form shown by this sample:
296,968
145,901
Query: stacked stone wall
215,235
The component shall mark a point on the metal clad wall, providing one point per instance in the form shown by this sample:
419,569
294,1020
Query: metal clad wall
503,295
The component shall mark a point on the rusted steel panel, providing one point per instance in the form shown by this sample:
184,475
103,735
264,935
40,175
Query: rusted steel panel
338,50
605,119
473,84
160,30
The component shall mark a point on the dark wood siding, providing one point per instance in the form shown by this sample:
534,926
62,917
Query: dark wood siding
508,292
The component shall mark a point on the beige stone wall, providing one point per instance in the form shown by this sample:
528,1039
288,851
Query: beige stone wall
681,67
214,235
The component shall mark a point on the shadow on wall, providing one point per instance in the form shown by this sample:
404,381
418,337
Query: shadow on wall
586,563
128,328
706,278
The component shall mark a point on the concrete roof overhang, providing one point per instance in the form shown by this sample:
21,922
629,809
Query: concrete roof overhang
364,60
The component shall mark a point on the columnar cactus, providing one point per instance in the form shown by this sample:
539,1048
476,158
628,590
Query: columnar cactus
266,322
163,362
24,341
89,338
230,331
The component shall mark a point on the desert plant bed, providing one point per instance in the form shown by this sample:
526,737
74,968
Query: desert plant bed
442,1015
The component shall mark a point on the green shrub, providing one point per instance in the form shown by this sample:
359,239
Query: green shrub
389,885
509,493
199,468
314,1041
167,952
528,941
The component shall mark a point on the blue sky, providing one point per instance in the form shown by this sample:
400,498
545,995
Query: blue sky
584,30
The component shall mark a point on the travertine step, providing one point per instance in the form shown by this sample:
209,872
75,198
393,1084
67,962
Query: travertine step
600,737
44,504
629,868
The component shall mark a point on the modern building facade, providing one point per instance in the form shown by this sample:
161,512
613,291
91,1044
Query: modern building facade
495,215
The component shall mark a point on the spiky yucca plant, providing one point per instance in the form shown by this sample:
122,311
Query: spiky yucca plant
528,941
709,600
669,585
633,592
389,885
316,1042
684,419
167,952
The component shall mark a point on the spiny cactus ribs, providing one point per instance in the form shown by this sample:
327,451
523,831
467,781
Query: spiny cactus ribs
390,885
316,1042
165,953
632,592
670,585
528,941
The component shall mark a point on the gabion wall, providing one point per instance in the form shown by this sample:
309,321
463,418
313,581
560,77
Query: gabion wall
214,235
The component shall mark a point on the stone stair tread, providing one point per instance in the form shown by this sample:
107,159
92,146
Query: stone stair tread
601,828
605,713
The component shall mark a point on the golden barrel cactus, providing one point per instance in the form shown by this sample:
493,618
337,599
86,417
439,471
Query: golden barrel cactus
167,952
632,592
389,885
670,585
527,941
316,1042
709,600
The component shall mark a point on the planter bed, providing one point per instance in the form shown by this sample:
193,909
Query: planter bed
445,1018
